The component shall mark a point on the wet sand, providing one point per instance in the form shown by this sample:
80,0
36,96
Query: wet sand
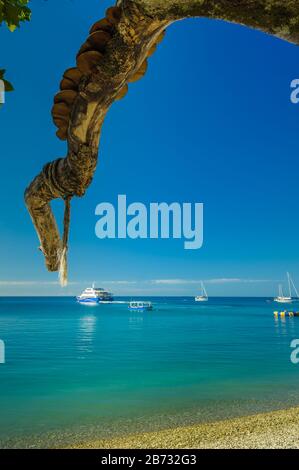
276,430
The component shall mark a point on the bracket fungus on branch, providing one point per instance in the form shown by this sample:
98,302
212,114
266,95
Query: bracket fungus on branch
115,54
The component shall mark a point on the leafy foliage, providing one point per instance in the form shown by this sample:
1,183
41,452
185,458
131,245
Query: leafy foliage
13,12
8,85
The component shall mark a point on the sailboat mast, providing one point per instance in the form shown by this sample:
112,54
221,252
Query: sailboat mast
280,294
294,287
289,283
205,292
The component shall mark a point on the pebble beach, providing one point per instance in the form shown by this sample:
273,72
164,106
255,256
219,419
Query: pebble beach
274,430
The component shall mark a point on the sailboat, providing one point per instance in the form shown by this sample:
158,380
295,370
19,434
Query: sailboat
204,296
283,299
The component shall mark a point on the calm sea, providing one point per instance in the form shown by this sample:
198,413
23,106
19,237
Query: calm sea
75,372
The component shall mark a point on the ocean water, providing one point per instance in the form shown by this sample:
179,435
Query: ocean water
76,372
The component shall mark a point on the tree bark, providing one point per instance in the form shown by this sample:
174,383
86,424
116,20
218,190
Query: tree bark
141,22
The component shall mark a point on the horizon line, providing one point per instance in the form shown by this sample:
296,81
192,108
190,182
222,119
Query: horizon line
145,295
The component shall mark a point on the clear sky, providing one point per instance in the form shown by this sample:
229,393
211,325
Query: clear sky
210,122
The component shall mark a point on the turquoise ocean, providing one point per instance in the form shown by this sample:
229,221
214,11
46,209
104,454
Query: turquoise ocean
75,372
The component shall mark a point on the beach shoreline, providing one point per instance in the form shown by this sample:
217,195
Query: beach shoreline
271,430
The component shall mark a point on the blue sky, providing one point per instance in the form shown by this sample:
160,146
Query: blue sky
210,122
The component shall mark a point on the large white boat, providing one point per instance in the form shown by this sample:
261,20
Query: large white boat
204,296
287,299
94,295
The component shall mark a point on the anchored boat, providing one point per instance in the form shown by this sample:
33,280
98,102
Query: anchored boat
287,299
204,296
94,295
140,306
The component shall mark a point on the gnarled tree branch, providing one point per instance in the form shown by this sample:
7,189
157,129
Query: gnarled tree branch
136,31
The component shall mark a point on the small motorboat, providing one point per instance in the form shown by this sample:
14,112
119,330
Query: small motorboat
140,306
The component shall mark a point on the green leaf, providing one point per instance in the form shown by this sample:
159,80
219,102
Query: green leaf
12,27
8,86
12,12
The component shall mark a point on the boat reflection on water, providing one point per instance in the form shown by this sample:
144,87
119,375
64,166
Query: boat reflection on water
87,328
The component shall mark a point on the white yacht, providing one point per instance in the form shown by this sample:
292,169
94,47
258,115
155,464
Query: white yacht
281,298
95,295
287,299
204,296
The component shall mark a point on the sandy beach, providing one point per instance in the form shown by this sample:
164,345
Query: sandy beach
275,430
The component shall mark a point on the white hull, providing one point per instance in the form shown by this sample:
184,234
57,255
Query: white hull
201,299
94,295
283,300
89,304
286,299
204,296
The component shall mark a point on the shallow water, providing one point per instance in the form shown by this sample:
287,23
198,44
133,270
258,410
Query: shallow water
75,372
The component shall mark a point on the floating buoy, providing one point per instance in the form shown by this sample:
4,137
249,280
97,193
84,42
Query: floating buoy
285,313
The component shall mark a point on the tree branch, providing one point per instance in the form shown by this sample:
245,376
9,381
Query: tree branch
135,34
276,17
